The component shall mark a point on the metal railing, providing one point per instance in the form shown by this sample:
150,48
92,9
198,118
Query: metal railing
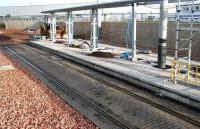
183,71
86,17
106,17
24,18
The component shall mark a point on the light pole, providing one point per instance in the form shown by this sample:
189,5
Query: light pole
162,34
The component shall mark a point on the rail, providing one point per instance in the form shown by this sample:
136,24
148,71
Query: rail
70,89
109,84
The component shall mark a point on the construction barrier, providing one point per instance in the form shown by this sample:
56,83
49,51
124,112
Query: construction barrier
183,71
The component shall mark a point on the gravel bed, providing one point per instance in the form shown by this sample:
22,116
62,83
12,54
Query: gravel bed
25,102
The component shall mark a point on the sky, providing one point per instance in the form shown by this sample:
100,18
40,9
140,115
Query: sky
4,3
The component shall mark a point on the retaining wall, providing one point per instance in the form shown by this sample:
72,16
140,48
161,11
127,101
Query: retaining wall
114,33
15,25
147,35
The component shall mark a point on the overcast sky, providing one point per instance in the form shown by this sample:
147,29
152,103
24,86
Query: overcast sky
44,2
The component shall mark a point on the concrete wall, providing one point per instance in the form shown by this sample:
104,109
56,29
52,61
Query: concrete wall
82,29
22,24
147,35
114,33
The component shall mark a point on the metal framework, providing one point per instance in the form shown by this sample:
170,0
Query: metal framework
69,24
53,27
134,30
184,45
94,23
179,29
109,5
94,29
99,6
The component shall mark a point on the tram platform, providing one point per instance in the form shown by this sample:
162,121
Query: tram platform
141,73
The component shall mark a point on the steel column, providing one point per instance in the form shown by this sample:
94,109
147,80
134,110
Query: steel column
191,33
134,32
50,23
99,18
177,30
163,34
69,27
177,39
94,30
53,27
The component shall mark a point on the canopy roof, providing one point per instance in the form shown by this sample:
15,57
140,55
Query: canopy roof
107,5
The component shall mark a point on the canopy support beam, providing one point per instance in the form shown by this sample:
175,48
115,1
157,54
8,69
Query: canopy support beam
69,27
53,28
134,32
94,30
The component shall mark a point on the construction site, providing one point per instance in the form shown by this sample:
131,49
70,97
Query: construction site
105,64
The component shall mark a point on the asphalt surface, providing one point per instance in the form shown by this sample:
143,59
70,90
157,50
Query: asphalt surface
124,108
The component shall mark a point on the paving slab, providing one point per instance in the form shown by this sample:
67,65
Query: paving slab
137,72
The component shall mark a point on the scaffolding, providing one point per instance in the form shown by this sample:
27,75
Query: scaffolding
184,45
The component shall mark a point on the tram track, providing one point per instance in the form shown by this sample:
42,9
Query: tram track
73,91
114,86
183,117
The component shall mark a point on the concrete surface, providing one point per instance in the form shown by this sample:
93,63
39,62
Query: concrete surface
137,73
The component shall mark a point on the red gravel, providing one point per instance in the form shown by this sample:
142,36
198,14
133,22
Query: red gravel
26,102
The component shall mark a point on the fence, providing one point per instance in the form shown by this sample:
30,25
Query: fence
86,17
112,17
183,71
24,18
